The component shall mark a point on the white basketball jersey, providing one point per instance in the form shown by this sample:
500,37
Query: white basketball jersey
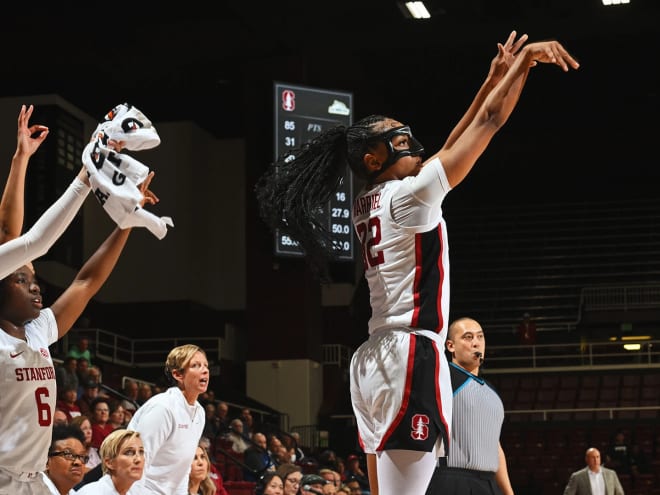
27,395
406,261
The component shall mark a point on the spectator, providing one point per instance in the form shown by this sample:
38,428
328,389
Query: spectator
256,459
281,455
94,374
209,428
81,350
292,443
328,459
276,451
341,468
85,424
354,486
117,418
270,484
222,414
199,480
217,424
130,390
312,484
354,471
618,453
526,330
235,435
66,460
345,490
101,426
145,393
291,475
331,476
594,478
82,372
214,473
329,489
248,422
84,402
60,417
122,454
65,374
66,402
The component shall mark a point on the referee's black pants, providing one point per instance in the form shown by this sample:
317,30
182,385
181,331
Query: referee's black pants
457,481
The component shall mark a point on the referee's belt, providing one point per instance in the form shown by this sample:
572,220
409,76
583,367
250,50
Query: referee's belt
485,475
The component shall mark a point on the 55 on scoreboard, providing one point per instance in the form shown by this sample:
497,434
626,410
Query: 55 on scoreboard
301,113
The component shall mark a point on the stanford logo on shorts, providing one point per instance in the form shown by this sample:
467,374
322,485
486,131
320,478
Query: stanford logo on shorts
420,428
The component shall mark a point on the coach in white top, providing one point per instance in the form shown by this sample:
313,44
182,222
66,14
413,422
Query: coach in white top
171,423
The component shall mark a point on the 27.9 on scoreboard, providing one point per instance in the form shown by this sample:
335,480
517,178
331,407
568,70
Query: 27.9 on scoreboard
301,113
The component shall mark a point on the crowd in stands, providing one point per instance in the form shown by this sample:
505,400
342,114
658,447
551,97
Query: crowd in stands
91,419
235,450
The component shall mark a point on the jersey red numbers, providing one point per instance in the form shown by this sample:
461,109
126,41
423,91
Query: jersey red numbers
370,236
43,409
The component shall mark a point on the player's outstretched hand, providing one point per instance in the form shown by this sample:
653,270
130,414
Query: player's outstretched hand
551,52
29,138
506,53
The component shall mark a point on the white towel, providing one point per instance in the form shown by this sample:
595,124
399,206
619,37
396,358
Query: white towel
114,177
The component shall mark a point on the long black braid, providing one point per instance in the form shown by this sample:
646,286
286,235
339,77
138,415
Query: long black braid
298,185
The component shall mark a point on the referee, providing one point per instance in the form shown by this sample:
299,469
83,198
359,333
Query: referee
476,462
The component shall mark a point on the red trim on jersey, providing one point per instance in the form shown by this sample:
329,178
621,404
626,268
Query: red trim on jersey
406,393
414,321
441,271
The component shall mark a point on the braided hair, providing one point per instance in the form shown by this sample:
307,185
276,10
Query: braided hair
299,184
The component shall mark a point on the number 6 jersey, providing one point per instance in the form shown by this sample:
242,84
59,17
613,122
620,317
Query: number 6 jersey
27,395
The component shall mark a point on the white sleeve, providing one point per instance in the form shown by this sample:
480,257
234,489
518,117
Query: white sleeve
417,202
43,234
155,424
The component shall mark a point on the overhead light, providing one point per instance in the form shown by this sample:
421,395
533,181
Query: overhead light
615,2
636,337
417,10
632,347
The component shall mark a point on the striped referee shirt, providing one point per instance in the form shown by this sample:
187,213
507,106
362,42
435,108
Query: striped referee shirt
477,419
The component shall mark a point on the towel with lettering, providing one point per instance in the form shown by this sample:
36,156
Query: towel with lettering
115,177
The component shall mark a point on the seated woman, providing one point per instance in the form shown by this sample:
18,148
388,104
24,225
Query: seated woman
199,479
122,455
85,425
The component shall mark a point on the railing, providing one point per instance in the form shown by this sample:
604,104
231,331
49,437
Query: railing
577,356
138,353
546,414
146,353
548,357
620,298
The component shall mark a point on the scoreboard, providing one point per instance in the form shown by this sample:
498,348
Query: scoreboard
301,113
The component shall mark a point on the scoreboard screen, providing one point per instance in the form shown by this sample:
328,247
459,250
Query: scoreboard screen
301,113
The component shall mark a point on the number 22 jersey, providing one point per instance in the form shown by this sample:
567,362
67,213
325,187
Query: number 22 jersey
403,237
